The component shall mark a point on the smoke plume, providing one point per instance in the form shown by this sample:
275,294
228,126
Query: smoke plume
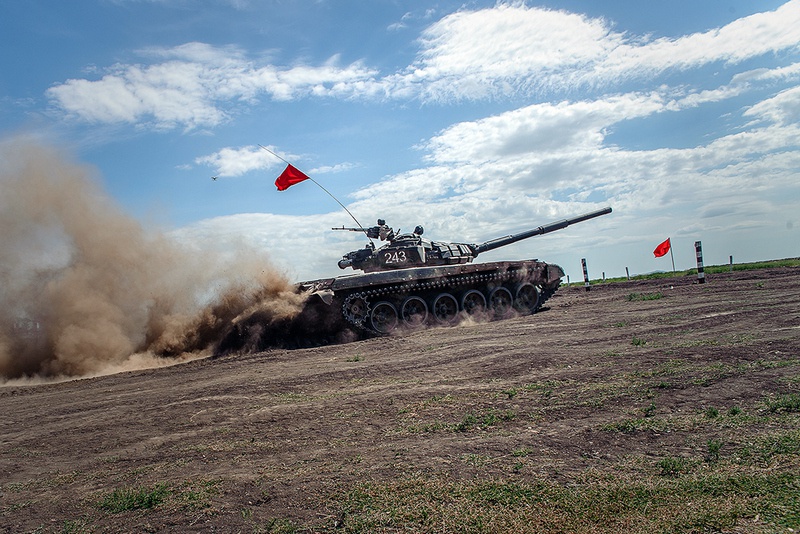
85,290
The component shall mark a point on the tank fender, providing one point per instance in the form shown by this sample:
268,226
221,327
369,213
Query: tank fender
554,273
325,295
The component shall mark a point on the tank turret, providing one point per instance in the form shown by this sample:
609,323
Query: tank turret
413,250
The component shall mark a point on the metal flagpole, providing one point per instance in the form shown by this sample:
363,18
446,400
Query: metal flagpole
328,192
671,256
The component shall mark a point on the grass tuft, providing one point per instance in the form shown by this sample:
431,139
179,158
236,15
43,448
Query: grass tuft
633,297
788,403
672,467
126,499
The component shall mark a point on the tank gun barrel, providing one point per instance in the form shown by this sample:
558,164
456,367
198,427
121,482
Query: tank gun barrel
350,229
547,228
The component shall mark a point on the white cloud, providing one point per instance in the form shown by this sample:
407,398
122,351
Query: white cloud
533,49
238,161
333,169
191,87
524,41
540,129
230,161
783,108
744,38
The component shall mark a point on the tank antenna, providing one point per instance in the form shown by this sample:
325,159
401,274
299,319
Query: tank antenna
328,192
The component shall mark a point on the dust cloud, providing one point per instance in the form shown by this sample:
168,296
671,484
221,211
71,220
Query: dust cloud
85,290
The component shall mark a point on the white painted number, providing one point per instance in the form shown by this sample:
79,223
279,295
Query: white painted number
395,257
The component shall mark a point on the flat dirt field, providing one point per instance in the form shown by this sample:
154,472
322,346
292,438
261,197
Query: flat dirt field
643,406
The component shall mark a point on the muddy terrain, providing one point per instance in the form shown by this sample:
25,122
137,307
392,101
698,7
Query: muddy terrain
666,381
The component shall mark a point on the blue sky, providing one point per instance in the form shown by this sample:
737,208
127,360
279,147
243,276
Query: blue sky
474,119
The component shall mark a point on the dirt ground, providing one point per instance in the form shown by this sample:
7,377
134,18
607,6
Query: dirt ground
243,441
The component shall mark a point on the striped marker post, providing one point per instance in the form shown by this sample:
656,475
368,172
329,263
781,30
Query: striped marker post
701,275
585,274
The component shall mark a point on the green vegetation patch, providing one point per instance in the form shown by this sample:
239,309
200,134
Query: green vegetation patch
719,500
632,297
483,420
639,424
767,450
789,403
126,499
191,495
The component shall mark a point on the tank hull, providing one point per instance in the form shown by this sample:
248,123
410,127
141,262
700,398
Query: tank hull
385,301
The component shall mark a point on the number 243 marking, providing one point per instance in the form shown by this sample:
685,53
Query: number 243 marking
396,257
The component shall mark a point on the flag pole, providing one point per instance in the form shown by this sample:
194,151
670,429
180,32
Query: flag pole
328,192
671,256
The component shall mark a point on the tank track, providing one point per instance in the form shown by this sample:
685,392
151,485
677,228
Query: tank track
358,306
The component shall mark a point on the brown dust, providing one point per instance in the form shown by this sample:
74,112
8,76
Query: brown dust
86,290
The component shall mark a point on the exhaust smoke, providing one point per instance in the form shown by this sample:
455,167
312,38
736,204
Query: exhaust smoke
85,290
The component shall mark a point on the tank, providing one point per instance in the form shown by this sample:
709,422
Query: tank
413,281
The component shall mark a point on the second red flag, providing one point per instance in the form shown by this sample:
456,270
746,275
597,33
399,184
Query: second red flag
662,249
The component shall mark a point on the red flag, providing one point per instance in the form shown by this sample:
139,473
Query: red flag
290,176
662,249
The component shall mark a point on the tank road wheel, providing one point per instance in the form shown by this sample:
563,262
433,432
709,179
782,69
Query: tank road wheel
445,308
500,301
527,298
383,317
473,302
356,309
414,312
